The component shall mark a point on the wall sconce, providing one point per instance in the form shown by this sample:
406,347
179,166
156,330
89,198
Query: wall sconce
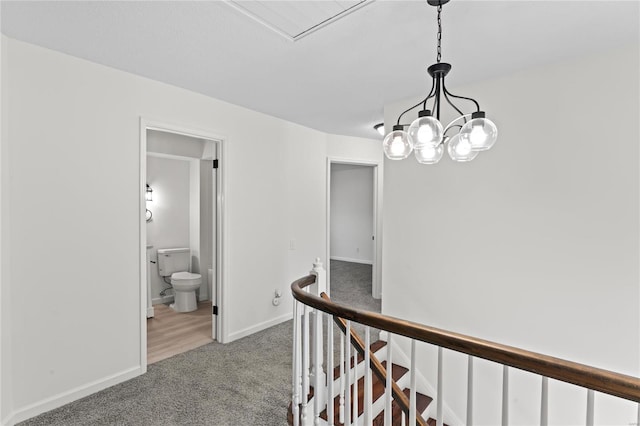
148,196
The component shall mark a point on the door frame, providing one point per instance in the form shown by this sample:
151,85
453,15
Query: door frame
376,272
221,242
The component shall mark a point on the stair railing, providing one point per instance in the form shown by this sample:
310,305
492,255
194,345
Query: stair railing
363,348
311,383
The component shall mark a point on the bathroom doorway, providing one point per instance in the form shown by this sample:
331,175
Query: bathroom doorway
181,206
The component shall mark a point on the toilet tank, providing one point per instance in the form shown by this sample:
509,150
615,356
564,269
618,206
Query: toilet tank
173,260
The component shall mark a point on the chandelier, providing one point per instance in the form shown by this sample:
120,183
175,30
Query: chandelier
464,137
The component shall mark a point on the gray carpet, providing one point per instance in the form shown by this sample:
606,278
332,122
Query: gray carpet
247,382
351,284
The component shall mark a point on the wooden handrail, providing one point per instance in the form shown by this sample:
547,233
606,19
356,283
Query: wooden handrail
605,381
376,367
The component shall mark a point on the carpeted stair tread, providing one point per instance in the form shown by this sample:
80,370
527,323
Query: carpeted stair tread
375,347
377,391
422,402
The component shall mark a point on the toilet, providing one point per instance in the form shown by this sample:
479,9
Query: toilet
175,263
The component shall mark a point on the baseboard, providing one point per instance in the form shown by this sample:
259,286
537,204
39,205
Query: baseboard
348,259
258,327
162,300
72,395
167,299
8,421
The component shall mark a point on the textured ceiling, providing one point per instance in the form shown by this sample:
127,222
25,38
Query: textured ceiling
336,79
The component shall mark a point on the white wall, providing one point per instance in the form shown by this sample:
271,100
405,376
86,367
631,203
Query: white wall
175,144
534,243
170,225
207,220
194,215
352,213
6,376
82,120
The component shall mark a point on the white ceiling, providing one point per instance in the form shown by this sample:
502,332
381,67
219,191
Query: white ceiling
336,79
296,19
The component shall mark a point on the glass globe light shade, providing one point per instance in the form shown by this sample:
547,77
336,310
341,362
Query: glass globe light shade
460,149
429,154
426,130
480,132
397,145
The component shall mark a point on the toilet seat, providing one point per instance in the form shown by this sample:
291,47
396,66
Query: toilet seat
185,276
185,281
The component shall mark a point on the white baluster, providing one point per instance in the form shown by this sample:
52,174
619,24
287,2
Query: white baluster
388,390
342,387
440,394
505,395
330,410
295,399
412,394
347,412
590,403
305,364
470,391
355,386
368,403
318,374
544,403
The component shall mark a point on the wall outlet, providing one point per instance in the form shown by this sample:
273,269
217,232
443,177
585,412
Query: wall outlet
357,249
292,244
276,299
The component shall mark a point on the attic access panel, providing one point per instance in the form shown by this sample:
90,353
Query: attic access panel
296,19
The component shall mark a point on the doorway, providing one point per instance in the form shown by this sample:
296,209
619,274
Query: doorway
353,219
182,168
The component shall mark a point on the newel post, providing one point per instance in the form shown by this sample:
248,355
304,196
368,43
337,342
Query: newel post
321,277
319,378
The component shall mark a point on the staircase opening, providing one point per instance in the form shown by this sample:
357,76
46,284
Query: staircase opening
341,378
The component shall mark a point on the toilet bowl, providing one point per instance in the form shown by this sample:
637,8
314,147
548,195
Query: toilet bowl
185,285
175,263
